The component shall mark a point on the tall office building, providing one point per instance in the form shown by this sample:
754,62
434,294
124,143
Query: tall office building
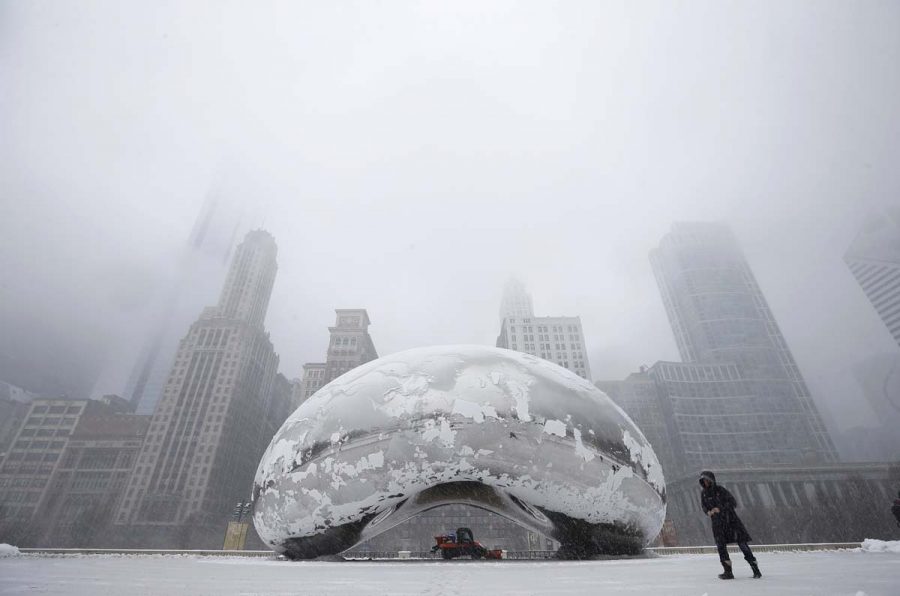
349,346
197,275
516,301
210,428
557,339
874,260
738,398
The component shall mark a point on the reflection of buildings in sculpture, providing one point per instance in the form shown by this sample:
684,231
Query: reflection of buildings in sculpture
349,346
449,425
639,396
874,260
210,427
36,450
198,274
557,339
739,376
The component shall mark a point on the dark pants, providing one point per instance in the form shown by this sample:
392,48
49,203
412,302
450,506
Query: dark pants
745,548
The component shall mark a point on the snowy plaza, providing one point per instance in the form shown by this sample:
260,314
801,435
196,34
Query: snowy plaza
844,573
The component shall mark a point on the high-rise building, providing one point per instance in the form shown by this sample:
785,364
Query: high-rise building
197,275
874,260
738,398
210,428
35,454
349,346
516,301
557,339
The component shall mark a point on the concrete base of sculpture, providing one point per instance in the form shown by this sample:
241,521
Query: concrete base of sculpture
495,429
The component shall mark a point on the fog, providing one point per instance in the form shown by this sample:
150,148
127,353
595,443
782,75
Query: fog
409,158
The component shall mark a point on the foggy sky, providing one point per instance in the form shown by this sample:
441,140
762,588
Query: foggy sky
409,157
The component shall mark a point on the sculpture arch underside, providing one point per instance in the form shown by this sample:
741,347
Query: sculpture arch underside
500,430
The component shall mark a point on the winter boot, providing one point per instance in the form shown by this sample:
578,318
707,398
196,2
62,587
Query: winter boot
728,574
755,568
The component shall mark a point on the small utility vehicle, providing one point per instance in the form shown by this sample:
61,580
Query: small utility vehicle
462,544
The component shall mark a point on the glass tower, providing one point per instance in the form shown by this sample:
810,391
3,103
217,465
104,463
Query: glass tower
739,398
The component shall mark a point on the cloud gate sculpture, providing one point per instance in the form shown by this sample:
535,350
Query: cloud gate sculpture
501,430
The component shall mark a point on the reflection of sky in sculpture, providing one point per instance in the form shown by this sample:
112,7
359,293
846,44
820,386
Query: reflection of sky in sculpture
403,423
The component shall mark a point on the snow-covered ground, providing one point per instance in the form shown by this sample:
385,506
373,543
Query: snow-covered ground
842,573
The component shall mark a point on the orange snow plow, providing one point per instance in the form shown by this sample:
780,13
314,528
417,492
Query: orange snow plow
463,544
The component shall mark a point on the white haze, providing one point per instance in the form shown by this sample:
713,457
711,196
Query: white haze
409,157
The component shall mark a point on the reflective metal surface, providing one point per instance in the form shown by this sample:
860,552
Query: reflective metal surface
501,430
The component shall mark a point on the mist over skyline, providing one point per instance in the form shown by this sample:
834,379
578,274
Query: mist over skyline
408,159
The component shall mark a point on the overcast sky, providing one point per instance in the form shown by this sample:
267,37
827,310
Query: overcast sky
409,157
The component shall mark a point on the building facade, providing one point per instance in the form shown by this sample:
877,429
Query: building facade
349,346
313,380
734,353
210,428
90,480
14,405
35,455
788,504
874,259
557,339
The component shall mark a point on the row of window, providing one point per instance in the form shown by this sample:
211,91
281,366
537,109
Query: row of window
45,432
40,409
50,421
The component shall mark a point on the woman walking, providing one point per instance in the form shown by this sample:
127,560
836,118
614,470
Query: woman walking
727,527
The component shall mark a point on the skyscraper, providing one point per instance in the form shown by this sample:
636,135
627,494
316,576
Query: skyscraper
349,346
739,398
516,301
198,273
557,339
210,428
874,260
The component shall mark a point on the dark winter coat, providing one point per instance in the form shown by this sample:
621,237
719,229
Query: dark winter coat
726,525
896,510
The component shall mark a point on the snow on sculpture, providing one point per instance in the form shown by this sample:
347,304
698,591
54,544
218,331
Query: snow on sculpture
501,430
